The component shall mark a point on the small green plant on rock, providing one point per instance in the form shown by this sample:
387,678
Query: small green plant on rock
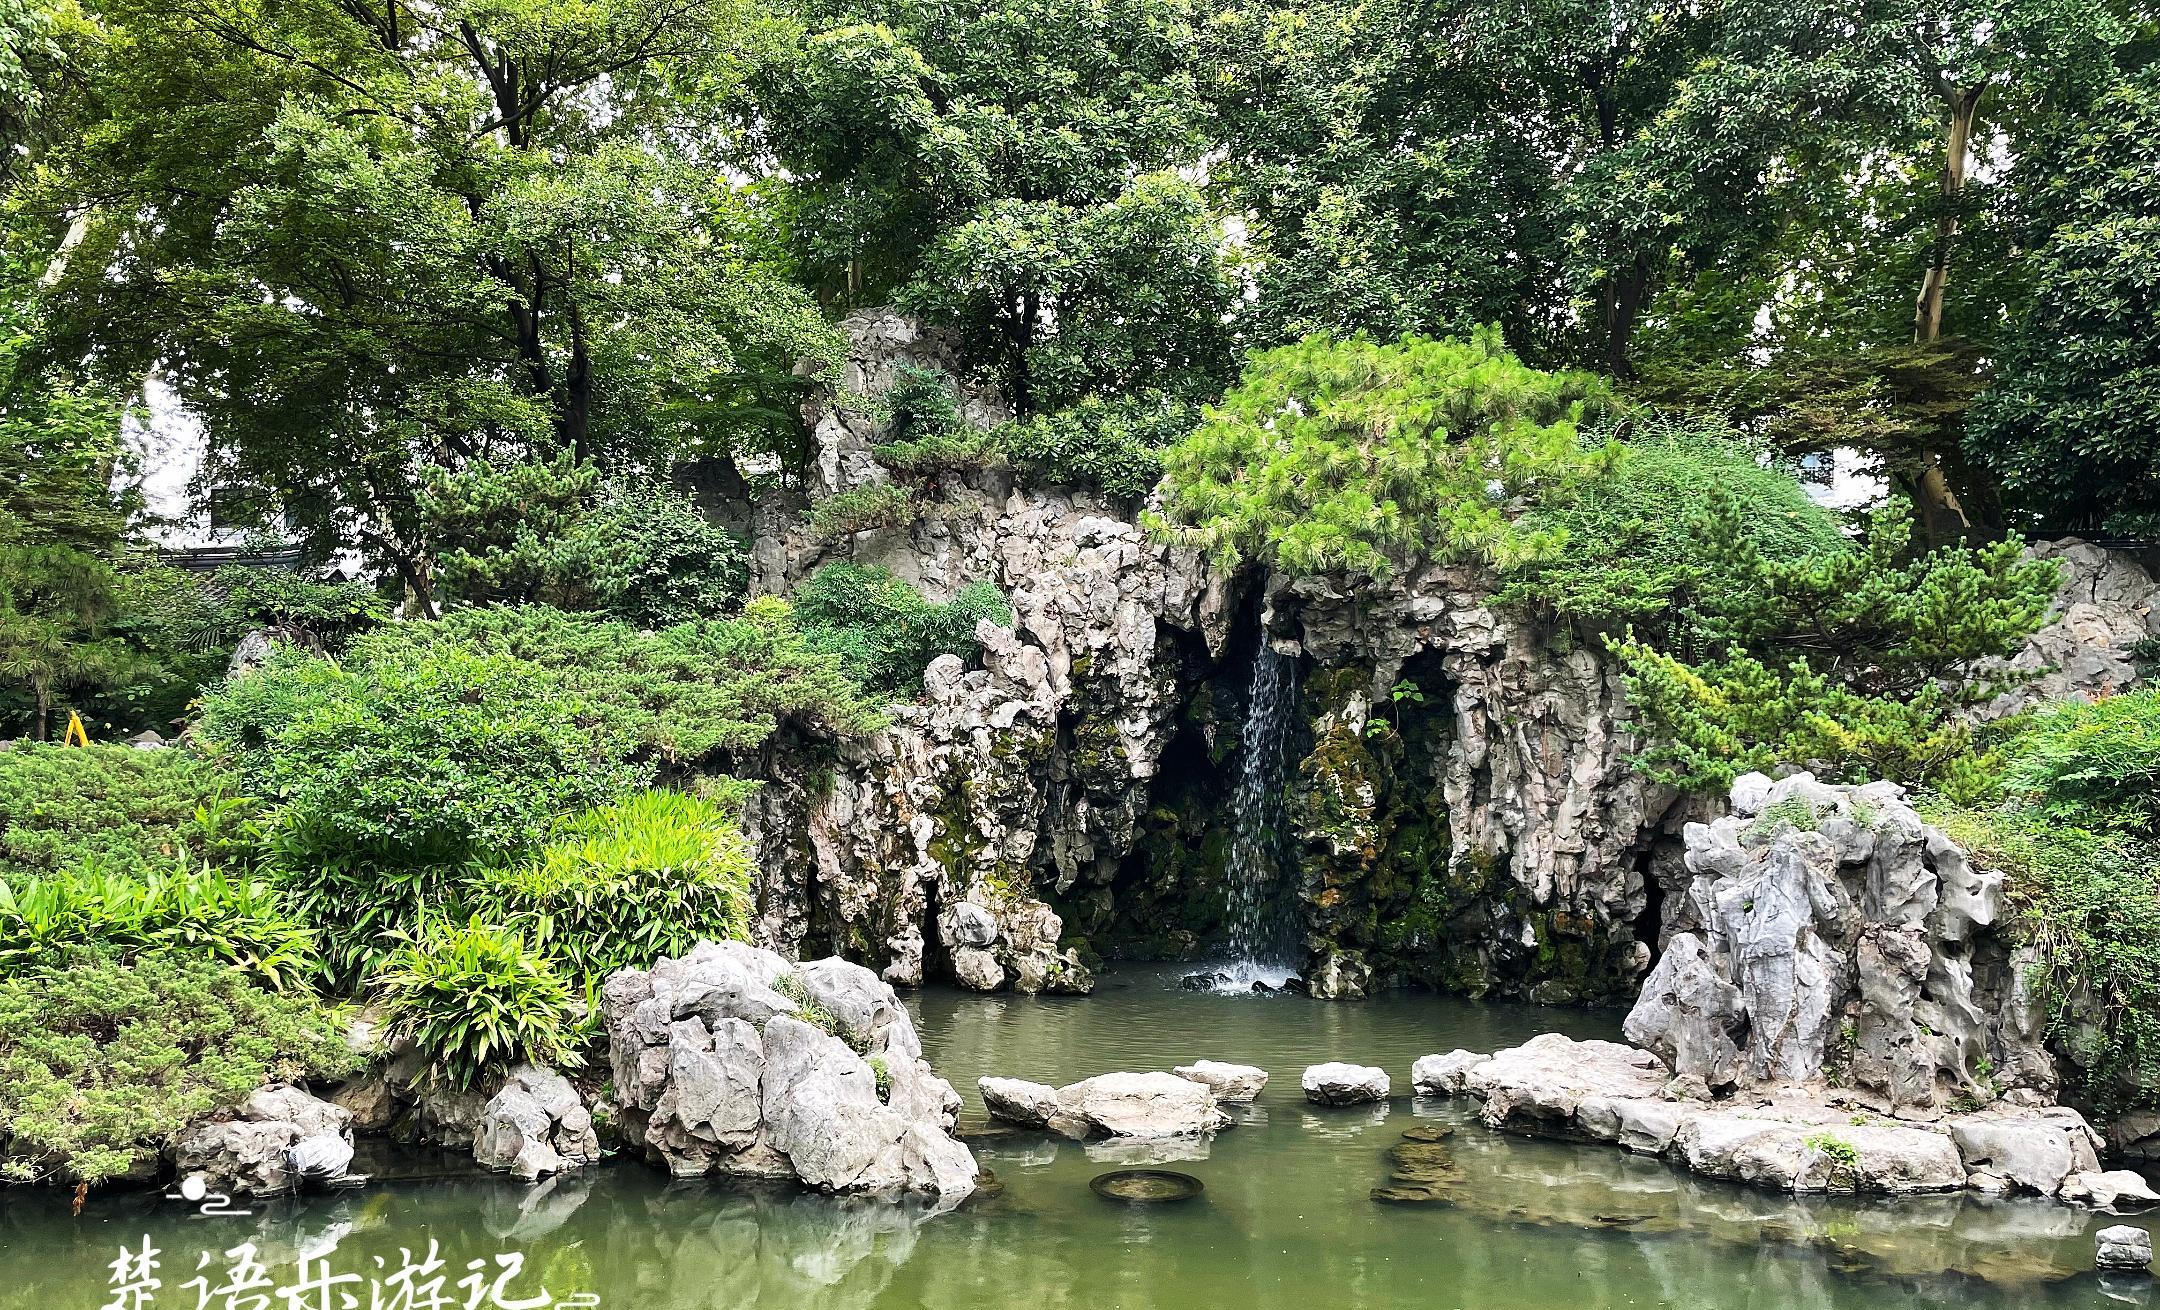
474,1000
1795,812
1843,1156
859,509
807,1007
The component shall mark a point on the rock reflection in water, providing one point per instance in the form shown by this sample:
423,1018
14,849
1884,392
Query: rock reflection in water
1586,1187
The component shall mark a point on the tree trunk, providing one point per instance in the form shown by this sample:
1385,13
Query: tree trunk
1623,299
1942,518
1963,106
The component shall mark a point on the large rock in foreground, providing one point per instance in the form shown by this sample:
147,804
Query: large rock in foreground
275,1138
1830,935
732,1061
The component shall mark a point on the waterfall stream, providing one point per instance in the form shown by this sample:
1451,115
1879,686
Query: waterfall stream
1263,925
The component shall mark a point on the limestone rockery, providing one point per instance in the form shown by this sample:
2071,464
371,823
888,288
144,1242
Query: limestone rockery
1461,812
1836,1009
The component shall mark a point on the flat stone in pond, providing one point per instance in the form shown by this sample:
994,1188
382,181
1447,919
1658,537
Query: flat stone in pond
1336,1083
1232,1084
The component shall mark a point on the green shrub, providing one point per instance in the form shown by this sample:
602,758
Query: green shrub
1114,445
1857,662
627,884
408,756
326,615
859,509
651,559
2094,764
102,1063
557,534
201,912
1358,457
1841,1154
921,404
114,807
683,694
931,457
361,909
475,1000
2089,902
884,630
1636,545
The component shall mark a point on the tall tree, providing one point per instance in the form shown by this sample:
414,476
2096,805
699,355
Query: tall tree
1408,166
1868,115
2071,426
63,529
366,240
1019,168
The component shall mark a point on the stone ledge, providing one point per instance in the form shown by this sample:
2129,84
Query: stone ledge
1791,1139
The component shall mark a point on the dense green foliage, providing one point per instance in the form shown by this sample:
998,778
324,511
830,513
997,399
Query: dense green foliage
365,243
1010,166
555,534
319,615
621,886
1114,446
691,694
200,912
475,1000
409,755
63,547
1631,547
2094,763
1855,661
2071,427
872,505
106,807
884,631
1364,457
102,1063
434,762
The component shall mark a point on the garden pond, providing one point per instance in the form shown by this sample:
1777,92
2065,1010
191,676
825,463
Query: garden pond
1288,1217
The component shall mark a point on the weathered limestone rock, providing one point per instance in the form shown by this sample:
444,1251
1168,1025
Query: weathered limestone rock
2122,1247
1443,1075
268,1144
449,1118
2034,1151
1337,1083
1232,1084
536,1125
1794,1152
1519,757
723,1064
1017,1101
1828,934
2108,603
2109,1190
1141,1105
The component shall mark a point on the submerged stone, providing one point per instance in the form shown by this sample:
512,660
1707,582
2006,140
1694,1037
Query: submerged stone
1145,1186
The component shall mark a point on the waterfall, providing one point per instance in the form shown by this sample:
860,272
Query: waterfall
1263,924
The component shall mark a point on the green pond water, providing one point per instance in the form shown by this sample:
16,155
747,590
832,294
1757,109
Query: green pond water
1287,1220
